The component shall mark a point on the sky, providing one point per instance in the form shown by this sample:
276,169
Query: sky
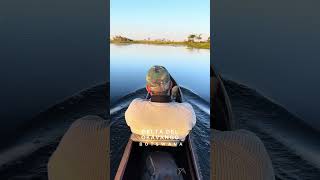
157,19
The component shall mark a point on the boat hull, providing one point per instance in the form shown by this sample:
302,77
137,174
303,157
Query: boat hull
131,164
221,112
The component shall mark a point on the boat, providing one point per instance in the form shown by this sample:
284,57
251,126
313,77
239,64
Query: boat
132,163
221,112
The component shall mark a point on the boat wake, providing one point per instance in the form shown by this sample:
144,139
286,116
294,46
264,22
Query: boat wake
292,145
290,142
27,157
200,134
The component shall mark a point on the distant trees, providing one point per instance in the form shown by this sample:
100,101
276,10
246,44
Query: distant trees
191,37
195,37
199,37
121,39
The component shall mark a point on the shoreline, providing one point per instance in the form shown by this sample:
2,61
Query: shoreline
196,45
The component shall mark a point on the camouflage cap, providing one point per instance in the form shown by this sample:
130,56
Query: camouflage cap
158,79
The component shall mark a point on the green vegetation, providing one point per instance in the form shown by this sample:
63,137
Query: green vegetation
194,41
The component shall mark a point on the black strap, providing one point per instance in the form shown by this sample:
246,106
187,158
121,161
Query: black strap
161,99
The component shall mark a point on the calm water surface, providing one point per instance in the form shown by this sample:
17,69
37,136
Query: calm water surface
273,47
129,65
49,50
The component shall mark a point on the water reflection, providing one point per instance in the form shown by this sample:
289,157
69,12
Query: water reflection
129,64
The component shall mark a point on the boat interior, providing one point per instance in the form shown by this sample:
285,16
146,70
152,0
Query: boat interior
183,157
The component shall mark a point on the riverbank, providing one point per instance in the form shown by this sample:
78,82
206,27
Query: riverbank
189,44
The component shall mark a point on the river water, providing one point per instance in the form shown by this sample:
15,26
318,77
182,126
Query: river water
291,143
273,47
190,68
129,65
50,50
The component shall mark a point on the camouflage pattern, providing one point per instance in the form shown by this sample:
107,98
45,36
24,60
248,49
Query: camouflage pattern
158,79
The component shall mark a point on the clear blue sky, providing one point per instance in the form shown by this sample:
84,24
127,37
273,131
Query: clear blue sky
171,19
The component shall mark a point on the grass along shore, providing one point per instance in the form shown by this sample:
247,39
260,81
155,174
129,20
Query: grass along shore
189,44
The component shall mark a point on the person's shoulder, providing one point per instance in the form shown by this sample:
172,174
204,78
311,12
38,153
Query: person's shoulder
184,105
238,138
86,136
187,111
137,101
242,153
243,146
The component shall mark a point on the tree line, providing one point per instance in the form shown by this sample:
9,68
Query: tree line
194,37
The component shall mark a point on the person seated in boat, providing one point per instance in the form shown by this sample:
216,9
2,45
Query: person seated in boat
160,120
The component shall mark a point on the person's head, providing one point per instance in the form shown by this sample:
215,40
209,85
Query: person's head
158,81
